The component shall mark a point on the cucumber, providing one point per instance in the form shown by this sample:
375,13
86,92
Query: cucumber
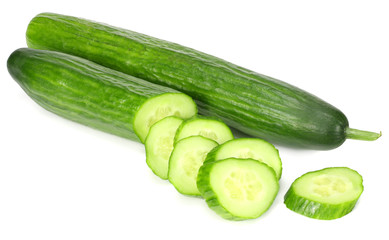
238,189
187,157
253,148
325,194
93,95
253,103
159,145
206,127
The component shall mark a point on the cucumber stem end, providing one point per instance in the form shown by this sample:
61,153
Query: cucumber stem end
352,133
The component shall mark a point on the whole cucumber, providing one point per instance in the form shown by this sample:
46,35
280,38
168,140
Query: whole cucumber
253,103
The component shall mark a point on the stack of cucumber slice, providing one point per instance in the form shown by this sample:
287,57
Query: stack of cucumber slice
238,178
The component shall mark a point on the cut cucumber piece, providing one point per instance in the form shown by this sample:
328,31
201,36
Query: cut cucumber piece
155,109
326,194
238,189
253,148
187,157
85,92
206,127
159,145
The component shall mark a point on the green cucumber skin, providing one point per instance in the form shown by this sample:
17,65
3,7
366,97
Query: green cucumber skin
255,104
315,209
82,91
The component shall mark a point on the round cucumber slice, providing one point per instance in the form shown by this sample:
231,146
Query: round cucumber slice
253,148
238,189
326,194
156,108
159,145
187,157
206,127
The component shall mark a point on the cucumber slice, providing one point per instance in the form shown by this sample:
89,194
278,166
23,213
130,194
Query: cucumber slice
206,127
253,148
159,145
156,108
326,194
187,157
238,189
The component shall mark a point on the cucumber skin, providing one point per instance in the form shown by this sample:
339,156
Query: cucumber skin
82,91
255,104
206,191
317,210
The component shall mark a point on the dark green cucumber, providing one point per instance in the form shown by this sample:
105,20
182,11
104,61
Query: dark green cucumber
93,95
253,103
325,194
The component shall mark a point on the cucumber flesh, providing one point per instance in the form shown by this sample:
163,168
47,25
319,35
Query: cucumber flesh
238,189
253,148
159,145
155,109
187,157
326,194
209,128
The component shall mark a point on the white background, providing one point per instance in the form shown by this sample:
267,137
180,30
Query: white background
61,180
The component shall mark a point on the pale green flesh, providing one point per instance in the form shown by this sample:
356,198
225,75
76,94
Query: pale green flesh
253,148
209,128
331,185
159,145
156,108
244,187
187,157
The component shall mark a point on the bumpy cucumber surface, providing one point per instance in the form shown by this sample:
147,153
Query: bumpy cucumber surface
325,194
253,148
206,127
238,189
253,103
93,95
187,157
159,145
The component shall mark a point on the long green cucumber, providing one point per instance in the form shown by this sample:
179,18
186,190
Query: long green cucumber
253,103
93,95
